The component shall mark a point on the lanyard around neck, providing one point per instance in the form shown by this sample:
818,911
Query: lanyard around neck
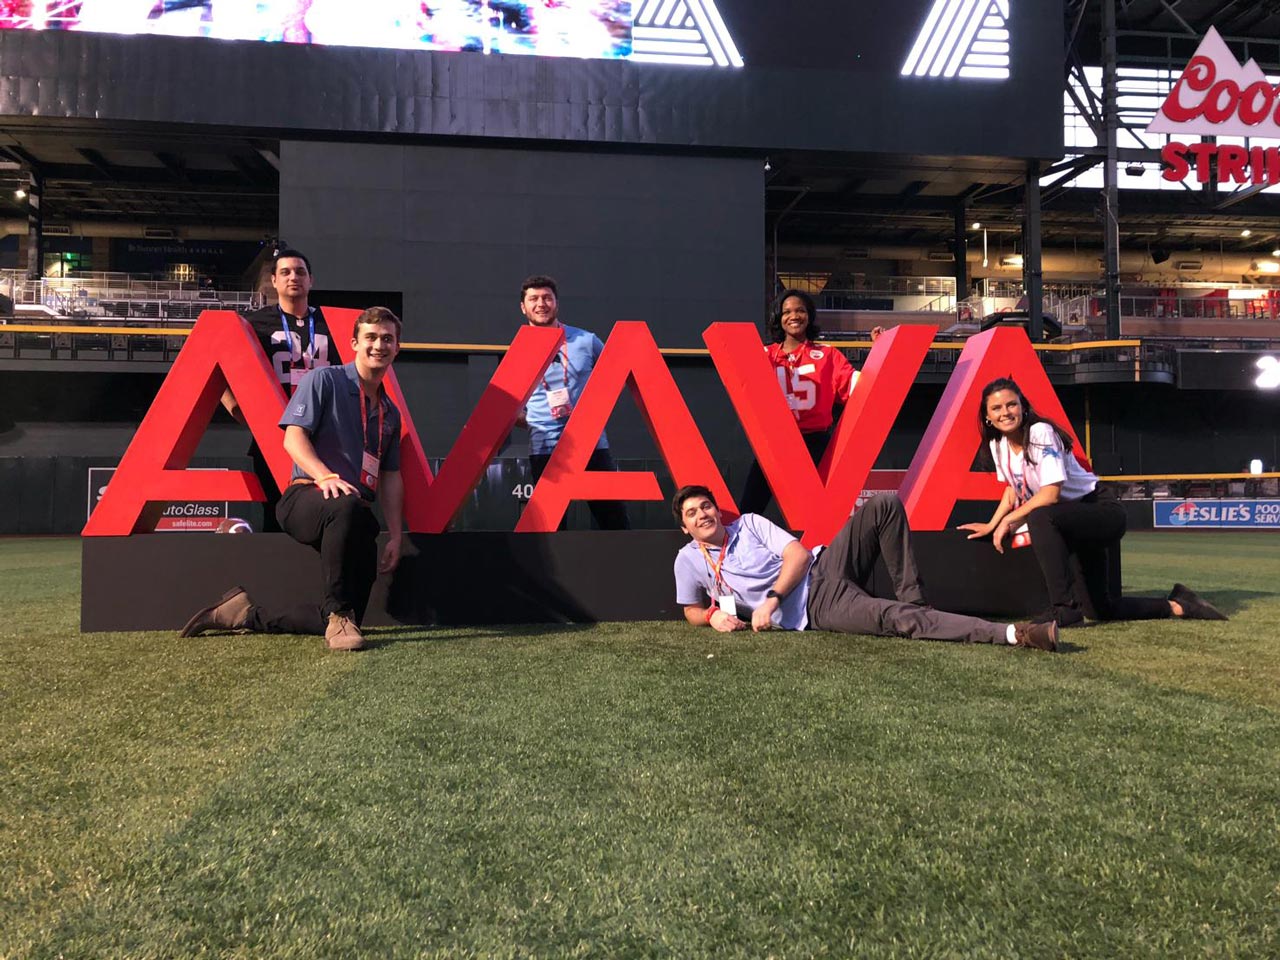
1021,489
564,369
364,422
717,582
310,352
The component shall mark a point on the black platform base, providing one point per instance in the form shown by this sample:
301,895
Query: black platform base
156,581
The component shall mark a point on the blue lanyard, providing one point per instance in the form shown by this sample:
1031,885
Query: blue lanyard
311,337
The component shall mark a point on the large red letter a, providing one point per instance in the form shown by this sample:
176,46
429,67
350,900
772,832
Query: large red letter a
220,352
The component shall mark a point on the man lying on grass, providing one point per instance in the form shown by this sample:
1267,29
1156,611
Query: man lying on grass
758,576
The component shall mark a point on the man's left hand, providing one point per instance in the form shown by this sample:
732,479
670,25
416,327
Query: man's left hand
390,555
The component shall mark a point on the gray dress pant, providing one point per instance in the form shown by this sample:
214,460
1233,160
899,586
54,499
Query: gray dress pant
839,598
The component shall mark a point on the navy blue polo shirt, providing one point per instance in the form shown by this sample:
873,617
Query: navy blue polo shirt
327,405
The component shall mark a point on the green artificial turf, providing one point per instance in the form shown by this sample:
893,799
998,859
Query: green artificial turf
645,789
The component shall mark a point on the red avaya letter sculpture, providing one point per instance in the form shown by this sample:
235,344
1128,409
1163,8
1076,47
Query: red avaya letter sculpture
220,352
940,473
817,500
430,504
630,358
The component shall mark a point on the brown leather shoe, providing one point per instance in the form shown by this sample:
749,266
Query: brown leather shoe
342,633
229,613
1038,636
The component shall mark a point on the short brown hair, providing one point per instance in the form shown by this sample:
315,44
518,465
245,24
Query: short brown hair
376,315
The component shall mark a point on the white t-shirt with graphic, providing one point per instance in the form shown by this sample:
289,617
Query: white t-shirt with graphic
1049,463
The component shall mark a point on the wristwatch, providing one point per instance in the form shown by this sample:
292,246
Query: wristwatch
774,595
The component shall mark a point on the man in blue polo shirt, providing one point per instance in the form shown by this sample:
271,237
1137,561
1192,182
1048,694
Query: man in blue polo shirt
557,392
343,433
751,574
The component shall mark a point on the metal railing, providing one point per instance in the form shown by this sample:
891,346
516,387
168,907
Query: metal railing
892,293
1190,487
113,297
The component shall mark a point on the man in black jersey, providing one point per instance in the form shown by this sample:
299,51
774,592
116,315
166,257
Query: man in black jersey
296,339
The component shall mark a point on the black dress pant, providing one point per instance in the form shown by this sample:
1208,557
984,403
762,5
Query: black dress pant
1085,528
345,532
608,514
839,583
756,493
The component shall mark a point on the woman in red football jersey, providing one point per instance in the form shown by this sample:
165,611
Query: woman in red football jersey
815,378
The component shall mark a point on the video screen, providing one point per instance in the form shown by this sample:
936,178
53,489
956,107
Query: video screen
591,29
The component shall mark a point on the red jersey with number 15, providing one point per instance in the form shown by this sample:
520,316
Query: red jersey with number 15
814,379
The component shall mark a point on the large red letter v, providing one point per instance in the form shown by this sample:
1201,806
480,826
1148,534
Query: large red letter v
818,509
430,503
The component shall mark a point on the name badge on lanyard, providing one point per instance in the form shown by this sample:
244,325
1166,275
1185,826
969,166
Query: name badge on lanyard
369,464
370,461
723,595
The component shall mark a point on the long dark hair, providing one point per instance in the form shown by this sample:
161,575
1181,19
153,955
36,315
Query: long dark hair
774,327
1029,417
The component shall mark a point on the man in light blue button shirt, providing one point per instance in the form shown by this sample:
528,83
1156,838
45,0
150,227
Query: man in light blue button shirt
557,393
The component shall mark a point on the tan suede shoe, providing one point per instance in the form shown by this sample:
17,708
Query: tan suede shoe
342,633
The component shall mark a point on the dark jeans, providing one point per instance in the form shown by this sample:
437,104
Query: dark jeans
345,532
608,514
1084,528
756,492
840,581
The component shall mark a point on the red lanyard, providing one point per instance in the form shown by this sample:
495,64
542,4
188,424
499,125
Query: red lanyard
1021,491
717,582
364,424
564,369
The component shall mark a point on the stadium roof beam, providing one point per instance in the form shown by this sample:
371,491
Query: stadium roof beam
98,162
174,165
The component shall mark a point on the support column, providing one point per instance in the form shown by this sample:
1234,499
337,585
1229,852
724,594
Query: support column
35,226
1110,191
960,247
1032,274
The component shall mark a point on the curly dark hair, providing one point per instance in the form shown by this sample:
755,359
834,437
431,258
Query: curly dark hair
773,329
539,281
1029,417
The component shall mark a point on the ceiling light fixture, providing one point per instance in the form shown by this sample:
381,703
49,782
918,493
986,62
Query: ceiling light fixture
1246,232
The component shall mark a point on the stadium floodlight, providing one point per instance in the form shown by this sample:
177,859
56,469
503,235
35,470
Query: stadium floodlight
1269,378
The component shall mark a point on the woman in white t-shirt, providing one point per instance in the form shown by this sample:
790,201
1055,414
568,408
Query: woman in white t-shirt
1052,498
